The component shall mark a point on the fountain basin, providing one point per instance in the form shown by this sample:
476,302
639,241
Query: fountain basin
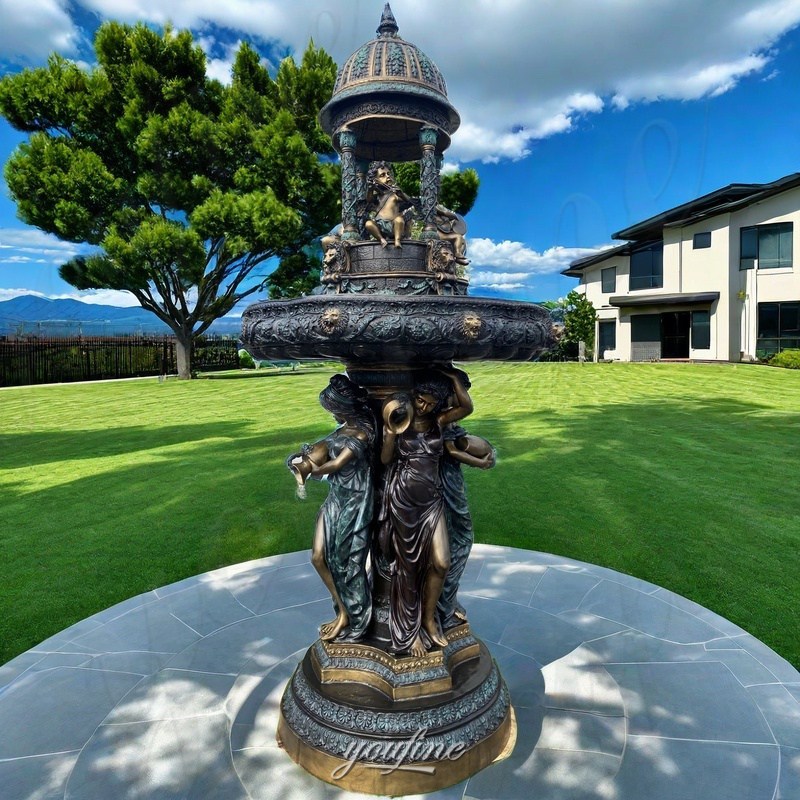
411,330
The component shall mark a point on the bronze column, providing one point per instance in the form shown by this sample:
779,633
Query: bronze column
429,180
350,184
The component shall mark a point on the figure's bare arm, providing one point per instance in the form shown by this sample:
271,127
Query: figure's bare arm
463,407
387,450
462,456
334,465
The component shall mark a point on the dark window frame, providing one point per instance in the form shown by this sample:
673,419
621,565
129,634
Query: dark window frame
701,330
778,327
647,267
606,325
701,240
753,238
604,283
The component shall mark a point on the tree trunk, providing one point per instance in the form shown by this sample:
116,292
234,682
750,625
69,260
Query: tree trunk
183,355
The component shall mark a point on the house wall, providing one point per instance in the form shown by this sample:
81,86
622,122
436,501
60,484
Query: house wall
754,286
734,317
702,270
593,285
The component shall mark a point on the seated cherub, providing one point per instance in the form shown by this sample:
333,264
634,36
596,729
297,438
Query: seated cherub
451,228
389,206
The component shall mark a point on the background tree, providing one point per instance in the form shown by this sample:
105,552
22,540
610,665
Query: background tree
297,274
458,190
577,315
556,309
184,186
579,320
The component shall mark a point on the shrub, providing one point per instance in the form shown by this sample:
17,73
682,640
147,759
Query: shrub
246,360
789,359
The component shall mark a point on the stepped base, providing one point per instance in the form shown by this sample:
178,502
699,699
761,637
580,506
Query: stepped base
352,728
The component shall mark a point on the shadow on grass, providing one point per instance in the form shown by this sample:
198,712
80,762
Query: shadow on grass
83,545
260,373
692,496
44,447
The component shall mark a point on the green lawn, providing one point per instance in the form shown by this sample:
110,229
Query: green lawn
683,475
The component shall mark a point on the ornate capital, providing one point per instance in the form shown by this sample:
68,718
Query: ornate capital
347,139
428,136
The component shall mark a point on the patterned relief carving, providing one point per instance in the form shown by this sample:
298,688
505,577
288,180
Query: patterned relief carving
398,723
363,727
369,326
412,107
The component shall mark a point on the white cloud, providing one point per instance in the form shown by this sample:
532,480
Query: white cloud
17,260
103,297
516,72
32,29
507,265
20,246
32,239
10,294
516,260
710,81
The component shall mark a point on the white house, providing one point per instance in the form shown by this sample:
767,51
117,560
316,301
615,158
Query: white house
712,279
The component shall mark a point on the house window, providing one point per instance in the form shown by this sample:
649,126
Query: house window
701,330
769,245
778,327
608,278
606,336
701,240
647,267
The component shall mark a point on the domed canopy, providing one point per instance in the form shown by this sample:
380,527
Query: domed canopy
385,92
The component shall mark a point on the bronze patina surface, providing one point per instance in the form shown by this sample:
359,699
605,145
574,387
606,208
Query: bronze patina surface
398,695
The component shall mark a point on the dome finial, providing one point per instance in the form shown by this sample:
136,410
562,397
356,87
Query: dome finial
388,25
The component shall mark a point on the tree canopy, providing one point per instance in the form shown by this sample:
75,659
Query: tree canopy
579,321
184,186
577,315
458,190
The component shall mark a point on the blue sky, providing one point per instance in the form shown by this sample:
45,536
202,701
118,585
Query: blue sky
580,116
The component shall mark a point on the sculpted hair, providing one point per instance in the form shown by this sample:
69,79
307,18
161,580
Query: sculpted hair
346,399
438,388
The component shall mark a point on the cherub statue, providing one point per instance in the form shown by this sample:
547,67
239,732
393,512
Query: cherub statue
451,228
389,208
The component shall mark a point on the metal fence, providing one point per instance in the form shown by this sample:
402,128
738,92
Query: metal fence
25,361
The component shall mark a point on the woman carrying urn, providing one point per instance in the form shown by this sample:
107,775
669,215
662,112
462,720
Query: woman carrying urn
413,526
341,537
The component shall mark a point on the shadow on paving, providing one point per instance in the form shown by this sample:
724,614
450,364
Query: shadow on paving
77,547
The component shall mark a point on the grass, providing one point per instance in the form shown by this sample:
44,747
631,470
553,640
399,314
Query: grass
683,475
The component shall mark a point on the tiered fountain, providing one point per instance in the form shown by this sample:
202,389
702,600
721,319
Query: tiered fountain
397,695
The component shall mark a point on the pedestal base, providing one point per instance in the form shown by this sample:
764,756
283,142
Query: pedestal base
358,737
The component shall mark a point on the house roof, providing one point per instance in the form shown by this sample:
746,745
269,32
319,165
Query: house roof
728,198
575,267
679,298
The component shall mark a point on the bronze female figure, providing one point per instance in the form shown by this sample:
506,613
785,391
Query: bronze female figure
412,516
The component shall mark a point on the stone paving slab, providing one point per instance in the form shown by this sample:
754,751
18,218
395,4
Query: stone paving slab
621,690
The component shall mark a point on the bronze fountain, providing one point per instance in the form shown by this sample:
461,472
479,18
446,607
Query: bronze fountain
397,695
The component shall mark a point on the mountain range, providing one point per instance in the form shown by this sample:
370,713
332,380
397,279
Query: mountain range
31,314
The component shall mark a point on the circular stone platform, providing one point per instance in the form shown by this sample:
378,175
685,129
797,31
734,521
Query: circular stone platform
621,690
